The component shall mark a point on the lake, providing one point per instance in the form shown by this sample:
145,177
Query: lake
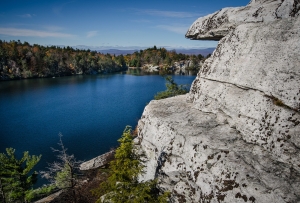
90,111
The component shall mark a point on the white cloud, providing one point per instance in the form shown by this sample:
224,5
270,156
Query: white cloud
171,14
53,28
176,29
32,33
91,34
27,15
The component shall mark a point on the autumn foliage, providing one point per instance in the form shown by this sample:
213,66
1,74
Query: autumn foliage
21,60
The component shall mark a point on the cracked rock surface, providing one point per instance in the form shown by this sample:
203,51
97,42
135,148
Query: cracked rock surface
235,137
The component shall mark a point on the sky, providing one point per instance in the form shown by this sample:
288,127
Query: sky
107,24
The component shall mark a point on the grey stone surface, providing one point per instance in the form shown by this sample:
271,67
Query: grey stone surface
49,198
235,137
97,162
217,25
200,157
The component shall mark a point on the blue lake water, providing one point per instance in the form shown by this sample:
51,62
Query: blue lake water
90,111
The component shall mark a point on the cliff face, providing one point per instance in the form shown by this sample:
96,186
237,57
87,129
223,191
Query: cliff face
236,136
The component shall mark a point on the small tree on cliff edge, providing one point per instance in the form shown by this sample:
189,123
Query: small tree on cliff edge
172,90
122,185
16,178
63,173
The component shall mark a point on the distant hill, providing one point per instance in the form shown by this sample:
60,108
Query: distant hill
203,52
117,51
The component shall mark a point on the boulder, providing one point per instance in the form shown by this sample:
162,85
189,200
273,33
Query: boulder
97,162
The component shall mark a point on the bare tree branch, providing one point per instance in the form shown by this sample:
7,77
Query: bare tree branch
63,172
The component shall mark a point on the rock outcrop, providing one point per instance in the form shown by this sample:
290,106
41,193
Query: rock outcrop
98,162
217,25
236,136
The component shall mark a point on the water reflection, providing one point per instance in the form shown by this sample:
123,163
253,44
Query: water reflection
35,84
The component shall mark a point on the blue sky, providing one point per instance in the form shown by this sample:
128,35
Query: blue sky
106,23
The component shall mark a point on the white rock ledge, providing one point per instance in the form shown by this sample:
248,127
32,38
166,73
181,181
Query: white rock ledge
235,137
97,162
200,157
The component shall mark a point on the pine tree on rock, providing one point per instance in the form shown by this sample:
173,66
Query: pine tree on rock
173,89
123,185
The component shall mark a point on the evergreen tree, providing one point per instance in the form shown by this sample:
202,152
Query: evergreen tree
16,178
172,90
123,185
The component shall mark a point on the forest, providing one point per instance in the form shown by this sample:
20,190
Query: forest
20,60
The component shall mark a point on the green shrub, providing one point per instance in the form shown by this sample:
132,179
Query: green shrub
172,90
123,185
